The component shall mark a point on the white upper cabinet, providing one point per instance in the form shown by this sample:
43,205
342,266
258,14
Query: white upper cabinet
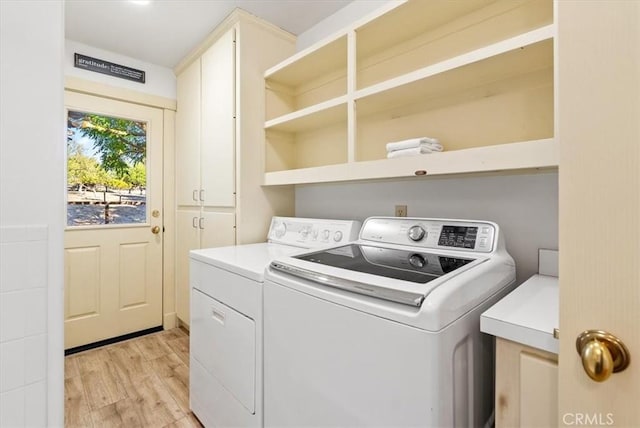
220,142
188,136
218,123
205,173
477,75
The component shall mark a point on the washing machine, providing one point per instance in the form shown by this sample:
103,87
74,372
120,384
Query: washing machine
384,331
226,317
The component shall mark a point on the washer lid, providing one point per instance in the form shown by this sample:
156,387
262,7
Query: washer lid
413,266
394,274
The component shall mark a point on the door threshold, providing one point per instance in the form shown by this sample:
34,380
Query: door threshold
112,340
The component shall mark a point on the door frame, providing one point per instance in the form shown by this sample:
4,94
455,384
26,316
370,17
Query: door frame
168,106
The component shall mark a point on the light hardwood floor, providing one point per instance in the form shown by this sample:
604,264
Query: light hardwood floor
143,382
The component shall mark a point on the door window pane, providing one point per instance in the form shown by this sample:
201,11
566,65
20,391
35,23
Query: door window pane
106,172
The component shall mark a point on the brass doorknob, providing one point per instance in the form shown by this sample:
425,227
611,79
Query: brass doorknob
602,354
155,230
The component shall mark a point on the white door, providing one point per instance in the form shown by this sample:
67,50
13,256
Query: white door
599,134
113,239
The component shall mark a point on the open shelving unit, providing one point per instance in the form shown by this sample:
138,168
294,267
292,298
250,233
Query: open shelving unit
477,75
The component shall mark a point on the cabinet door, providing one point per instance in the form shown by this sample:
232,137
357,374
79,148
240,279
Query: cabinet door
218,124
526,386
538,391
188,136
218,229
187,239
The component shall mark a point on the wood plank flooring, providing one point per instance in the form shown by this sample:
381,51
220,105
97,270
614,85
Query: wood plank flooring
143,382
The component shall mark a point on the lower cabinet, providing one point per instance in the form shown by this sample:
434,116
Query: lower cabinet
198,228
526,386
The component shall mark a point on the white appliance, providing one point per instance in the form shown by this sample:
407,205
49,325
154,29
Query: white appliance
226,317
385,331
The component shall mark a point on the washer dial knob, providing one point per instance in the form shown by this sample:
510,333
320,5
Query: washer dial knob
337,236
417,261
279,230
304,232
416,233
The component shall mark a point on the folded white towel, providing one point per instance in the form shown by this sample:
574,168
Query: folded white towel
413,143
409,152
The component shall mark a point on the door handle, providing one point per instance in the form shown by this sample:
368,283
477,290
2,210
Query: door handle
201,223
194,222
202,195
155,230
602,354
194,195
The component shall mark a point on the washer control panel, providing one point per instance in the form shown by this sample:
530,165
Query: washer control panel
462,235
312,232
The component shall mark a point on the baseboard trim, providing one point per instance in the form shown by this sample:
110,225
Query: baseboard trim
112,340
170,321
183,325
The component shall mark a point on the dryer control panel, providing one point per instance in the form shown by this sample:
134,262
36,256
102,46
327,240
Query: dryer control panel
312,232
462,235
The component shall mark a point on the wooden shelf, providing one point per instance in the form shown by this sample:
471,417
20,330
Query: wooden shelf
539,154
515,56
476,74
417,34
499,94
316,116
321,58
311,77
417,18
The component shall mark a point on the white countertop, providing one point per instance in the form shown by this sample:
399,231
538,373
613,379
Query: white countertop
527,315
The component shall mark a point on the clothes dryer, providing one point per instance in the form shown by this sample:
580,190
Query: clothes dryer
226,317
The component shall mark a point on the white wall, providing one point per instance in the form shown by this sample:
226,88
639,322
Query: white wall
524,206
32,145
158,80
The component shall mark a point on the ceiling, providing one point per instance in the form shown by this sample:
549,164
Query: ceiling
162,32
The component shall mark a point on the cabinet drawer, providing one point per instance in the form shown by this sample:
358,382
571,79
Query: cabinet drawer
224,342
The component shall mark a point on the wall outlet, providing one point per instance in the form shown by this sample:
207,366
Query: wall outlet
401,210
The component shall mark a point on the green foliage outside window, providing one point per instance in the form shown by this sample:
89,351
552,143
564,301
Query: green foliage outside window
120,146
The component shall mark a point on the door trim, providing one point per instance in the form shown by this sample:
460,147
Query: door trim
121,94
